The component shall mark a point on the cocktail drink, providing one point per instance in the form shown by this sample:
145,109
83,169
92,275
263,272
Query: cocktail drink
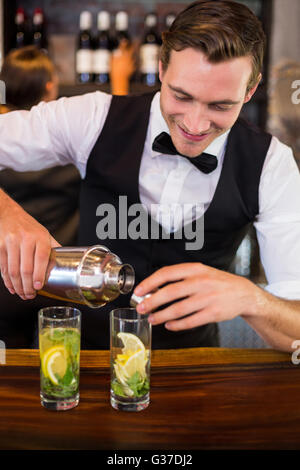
59,342
130,352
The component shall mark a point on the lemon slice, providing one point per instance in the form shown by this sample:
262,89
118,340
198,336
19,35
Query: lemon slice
54,363
135,363
45,356
131,343
133,359
122,379
56,366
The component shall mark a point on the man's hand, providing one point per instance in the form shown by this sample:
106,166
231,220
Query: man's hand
25,247
202,294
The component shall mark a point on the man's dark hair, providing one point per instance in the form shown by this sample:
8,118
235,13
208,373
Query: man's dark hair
222,30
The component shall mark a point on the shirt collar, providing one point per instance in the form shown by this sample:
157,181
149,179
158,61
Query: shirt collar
158,125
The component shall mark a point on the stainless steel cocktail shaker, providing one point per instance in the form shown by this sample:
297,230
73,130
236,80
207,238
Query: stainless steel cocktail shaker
91,276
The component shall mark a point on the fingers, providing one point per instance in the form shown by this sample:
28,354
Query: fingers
168,274
4,269
193,294
189,313
26,262
169,293
24,265
26,256
41,259
200,318
24,249
176,310
180,310
17,269
13,266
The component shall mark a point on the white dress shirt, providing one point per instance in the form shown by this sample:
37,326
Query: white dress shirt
65,131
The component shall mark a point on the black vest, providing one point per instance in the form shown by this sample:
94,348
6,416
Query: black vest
113,170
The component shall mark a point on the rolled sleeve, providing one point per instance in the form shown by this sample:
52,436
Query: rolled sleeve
278,222
55,133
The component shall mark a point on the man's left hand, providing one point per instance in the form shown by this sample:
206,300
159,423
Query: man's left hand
201,295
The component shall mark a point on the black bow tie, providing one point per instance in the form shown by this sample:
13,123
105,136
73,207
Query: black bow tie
204,162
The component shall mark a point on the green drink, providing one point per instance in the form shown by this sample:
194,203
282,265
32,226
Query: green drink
130,356
59,341
130,373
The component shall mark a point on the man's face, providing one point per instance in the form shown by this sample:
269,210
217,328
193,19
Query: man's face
200,100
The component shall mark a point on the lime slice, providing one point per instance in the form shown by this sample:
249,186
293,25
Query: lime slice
55,363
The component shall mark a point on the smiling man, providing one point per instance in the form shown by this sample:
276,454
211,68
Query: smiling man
200,106
184,147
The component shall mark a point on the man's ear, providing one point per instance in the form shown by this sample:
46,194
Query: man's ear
251,92
160,70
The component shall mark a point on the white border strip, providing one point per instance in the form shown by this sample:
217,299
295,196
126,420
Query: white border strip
2,352
1,33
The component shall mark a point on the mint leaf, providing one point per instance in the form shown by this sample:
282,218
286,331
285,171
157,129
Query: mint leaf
57,334
117,388
67,378
139,385
145,388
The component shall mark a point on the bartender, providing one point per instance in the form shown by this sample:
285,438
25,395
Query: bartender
184,147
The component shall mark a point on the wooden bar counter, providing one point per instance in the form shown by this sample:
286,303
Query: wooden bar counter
208,398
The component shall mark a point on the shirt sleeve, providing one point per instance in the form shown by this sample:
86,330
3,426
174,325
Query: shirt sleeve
55,133
278,221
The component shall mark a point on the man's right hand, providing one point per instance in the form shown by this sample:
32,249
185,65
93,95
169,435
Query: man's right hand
25,247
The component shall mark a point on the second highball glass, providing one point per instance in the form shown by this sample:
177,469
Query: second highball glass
130,356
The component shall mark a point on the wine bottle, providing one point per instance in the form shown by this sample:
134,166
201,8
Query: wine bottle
102,49
84,54
121,27
149,51
38,30
20,29
169,18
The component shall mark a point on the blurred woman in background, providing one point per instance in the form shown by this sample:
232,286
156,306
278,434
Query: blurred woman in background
50,196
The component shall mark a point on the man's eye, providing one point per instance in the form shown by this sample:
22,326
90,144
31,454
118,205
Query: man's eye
219,107
181,98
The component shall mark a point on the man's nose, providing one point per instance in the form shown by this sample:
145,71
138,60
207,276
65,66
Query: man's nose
196,121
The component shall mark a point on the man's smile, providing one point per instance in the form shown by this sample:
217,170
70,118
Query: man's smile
193,137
